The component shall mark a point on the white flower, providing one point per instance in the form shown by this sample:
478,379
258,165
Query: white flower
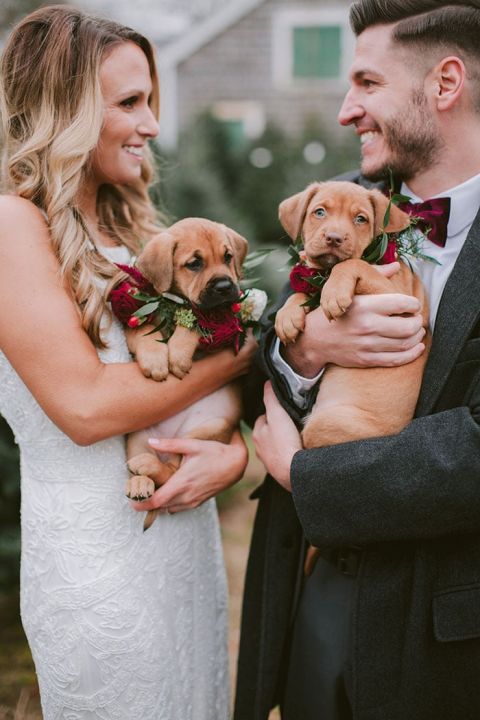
253,305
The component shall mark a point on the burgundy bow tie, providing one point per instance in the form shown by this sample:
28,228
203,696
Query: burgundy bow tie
432,214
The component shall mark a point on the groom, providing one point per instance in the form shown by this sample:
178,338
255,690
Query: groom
387,627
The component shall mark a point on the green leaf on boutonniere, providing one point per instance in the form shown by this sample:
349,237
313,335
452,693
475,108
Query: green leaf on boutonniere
146,309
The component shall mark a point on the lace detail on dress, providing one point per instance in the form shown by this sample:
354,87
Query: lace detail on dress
122,624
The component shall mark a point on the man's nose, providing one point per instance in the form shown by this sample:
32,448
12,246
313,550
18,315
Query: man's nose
351,110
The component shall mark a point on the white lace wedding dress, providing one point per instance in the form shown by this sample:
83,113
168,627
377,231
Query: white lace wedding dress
122,624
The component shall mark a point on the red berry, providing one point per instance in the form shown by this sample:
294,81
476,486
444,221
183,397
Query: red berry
236,307
133,321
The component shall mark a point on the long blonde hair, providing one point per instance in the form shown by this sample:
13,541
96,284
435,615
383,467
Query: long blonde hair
52,114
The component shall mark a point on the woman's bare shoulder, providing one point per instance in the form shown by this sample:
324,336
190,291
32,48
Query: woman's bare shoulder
22,222
13,207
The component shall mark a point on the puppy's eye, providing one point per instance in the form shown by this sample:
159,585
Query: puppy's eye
228,257
361,219
195,264
320,212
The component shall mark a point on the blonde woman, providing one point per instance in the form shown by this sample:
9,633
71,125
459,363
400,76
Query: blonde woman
122,624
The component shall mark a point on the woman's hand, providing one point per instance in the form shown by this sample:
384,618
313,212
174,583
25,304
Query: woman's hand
276,439
242,360
207,468
378,331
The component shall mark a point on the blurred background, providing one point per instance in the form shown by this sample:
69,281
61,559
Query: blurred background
250,90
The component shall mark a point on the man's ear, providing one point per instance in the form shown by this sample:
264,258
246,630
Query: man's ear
156,261
292,211
398,220
448,81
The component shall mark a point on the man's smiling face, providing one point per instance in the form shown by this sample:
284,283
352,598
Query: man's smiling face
387,104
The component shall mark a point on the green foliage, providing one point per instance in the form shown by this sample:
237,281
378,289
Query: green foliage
9,509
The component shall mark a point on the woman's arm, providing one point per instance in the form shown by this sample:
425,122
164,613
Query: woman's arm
42,336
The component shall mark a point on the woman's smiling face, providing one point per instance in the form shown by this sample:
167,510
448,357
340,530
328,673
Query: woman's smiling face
128,118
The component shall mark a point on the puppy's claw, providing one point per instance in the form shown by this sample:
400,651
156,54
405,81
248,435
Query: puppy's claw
139,487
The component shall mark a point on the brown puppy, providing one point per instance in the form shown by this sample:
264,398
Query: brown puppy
337,222
201,261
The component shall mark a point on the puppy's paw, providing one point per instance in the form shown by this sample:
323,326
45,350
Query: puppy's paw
139,487
179,363
153,361
335,303
148,464
289,323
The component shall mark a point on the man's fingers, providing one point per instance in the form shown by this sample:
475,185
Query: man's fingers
260,423
397,328
272,406
394,359
388,304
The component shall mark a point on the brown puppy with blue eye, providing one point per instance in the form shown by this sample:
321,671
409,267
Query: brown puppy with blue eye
337,221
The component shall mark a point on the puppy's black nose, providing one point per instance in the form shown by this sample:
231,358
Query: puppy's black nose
219,291
333,239
223,287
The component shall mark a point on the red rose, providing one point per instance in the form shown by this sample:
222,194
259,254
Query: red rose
223,329
139,280
298,278
390,254
123,304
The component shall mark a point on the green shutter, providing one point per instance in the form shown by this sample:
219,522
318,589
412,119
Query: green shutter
316,51
235,133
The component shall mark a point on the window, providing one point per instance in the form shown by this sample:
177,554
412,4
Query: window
311,45
316,51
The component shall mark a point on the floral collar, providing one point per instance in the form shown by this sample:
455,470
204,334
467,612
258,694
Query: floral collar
136,302
385,248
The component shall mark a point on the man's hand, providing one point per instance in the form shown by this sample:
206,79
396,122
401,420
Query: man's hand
377,331
276,439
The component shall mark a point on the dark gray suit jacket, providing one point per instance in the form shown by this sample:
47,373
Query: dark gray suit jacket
412,501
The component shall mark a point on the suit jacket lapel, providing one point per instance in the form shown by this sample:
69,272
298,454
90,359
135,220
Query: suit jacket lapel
457,313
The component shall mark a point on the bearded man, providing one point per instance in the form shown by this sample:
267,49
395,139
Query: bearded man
387,627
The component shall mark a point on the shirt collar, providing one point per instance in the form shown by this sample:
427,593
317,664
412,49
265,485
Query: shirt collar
465,201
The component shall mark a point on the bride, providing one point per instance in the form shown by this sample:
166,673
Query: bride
122,624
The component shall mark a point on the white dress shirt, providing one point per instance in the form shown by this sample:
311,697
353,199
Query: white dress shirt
465,202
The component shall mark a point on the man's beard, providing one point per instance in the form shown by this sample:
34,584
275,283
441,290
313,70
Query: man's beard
413,140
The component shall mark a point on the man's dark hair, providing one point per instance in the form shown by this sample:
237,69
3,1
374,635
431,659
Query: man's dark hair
425,22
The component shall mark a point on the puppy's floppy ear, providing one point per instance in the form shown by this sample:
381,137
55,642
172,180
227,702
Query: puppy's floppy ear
292,211
239,247
398,220
156,261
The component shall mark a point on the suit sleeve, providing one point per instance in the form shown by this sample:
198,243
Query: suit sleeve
423,482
